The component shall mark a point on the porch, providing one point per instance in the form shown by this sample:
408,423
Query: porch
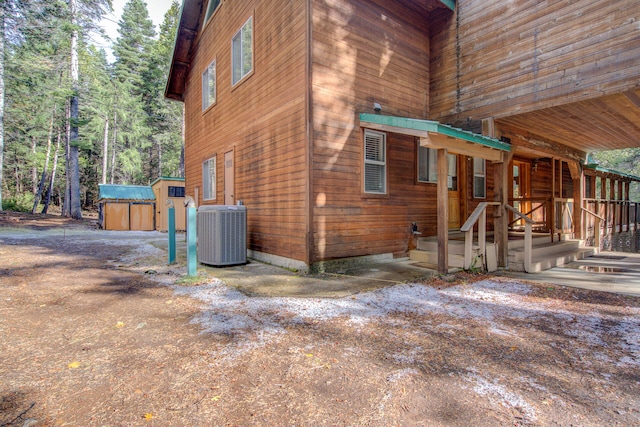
534,246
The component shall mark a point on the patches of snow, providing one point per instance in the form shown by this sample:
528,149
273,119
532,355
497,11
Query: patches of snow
401,374
499,394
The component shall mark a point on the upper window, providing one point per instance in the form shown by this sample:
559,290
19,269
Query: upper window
375,162
209,179
242,52
209,86
479,178
211,7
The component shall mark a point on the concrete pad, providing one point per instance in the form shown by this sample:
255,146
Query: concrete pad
617,272
258,279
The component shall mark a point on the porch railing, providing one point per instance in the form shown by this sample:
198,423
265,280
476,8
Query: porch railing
528,236
614,216
479,215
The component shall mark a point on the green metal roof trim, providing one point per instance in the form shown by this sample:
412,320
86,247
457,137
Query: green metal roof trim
597,168
432,126
125,192
451,4
168,178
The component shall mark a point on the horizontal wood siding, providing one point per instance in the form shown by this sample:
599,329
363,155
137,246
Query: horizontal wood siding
365,52
502,58
262,119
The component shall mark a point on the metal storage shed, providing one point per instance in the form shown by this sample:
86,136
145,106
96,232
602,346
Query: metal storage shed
169,189
126,207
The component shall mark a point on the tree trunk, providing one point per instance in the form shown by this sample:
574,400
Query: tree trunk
34,166
65,205
53,175
73,172
2,5
105,151
114,140
38,195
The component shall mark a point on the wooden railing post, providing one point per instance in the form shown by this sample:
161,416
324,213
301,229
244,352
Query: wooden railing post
528,246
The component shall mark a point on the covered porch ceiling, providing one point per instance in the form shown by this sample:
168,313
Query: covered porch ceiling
435,135
606,123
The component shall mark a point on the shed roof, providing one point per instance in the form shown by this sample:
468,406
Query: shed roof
167,178
125,192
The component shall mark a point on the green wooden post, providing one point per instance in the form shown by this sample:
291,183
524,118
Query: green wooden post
171,219
191,241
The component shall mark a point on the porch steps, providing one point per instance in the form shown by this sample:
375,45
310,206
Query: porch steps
427,252
546,255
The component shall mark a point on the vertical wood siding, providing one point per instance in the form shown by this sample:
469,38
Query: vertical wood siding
365,52
502,58
262,119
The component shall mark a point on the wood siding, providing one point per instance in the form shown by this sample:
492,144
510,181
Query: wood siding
500,58
262,118
365,52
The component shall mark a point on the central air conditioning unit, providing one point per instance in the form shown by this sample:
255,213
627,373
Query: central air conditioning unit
222,235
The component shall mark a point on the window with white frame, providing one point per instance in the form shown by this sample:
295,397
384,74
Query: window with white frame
375,162
211,7
242,52
209,179
479,178
427,164
209,86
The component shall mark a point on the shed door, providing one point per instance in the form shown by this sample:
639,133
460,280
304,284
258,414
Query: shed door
141,217
116,216
229,182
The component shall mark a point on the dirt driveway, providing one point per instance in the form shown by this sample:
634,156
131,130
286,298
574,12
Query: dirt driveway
96,332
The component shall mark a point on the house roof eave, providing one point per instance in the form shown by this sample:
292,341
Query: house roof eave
188,27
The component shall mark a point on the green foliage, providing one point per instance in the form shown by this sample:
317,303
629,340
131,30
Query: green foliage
626,161
144,131
21,203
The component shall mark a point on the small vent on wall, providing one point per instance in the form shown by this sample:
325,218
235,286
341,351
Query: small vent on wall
222,235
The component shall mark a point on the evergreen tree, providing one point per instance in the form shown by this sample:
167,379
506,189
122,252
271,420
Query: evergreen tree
132,51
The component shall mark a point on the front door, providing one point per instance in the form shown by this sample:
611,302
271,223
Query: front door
229,182
454,192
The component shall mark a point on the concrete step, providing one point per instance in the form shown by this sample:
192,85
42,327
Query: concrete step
456,247
543,261
430,257
538,239
546,249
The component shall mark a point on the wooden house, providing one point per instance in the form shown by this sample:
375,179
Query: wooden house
169,191
126,207
348,126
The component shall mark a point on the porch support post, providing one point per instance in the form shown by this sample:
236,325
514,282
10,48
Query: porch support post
577,175
613,204
501,195
443,212
500,217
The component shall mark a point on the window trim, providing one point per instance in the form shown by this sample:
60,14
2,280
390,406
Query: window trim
383,163
429,152
249,73
213,176
482,175
210,13
215,86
